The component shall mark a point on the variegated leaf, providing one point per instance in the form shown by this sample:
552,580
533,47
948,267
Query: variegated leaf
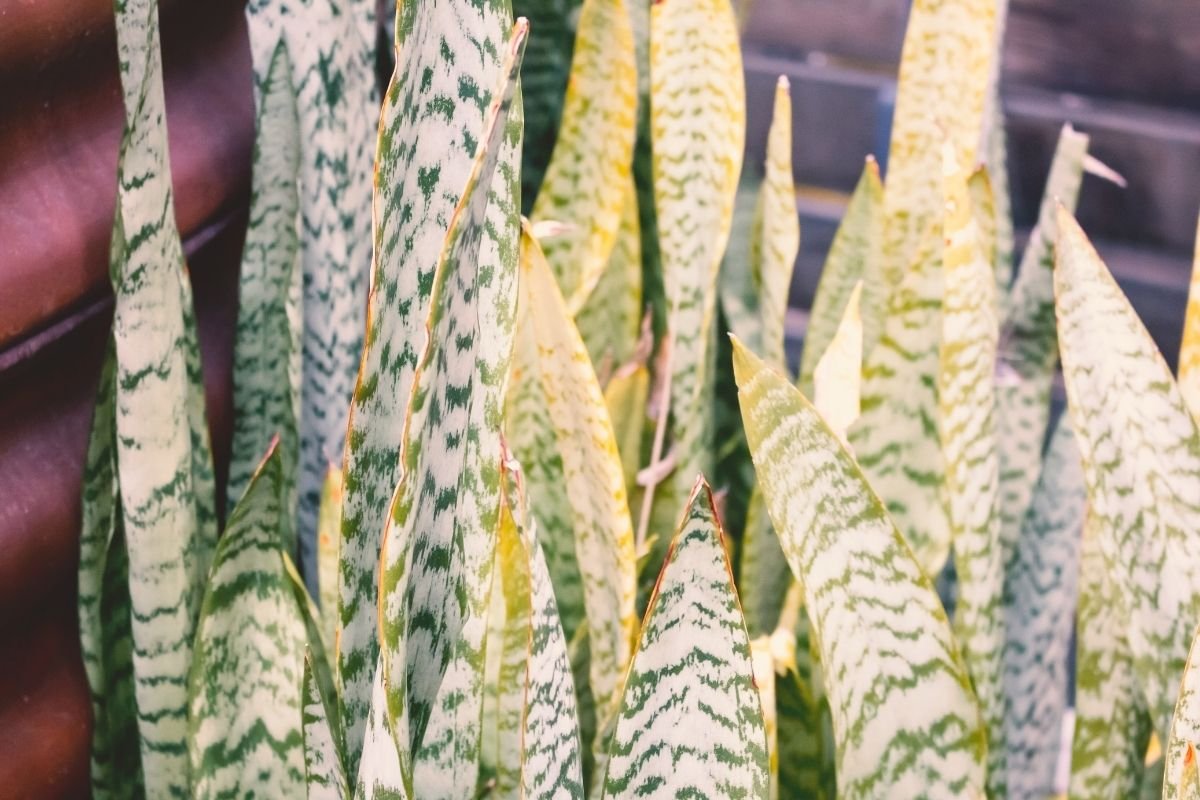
806,746
625,396
776,239
1141,457
431,124
993,155
324,769
436,558
1039,598
763,574
104,618
164,466
737,289
1029,346
380,775
946,70
333,72
904,718
244,688
691,722
967,425
266,351
1189,349
1112,727
763,668
610,319
837,380
852,258
588,180
587,527
329,551
698,125
1185,733
895,437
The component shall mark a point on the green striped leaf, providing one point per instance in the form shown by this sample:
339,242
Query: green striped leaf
852,258
324,759
1189,348
245,726
895,437
436,558
331,46
1039,596
611,318
946,70
380,776
266,351
1141,457
737,289
697,114
164,466
432,122
776,239
575,470
1185,732
967,425
1112,726
104,617
763,574
904,718
691,722
329,550
1029,346
588,180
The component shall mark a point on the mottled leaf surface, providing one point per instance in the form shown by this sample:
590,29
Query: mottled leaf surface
324,768
1185,732
1189,349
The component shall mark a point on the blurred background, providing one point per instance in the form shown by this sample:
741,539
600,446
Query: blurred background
1127,72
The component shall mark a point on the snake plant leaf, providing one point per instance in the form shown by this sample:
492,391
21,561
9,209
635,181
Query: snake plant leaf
104,618
691,722
1029,346
611,318
967,425
806,746
762,664
329,550
1124,401
983,213
763,574
1189,349
625,396
1112,726
324,770
946,69
905,720
436,558
380,774
776,239
895,437
852,258
1039,596
163,462
431,124
591,535
837,380
266,350
1185,732
698,117
245,702
588,180
737,287
333,72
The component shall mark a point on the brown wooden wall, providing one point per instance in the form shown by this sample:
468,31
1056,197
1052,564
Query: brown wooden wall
60,125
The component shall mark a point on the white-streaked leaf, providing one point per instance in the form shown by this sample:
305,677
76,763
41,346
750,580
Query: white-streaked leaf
763,667
324,760
967,426
1185,732
1141,457
691,722
244,687
588,180
1189,349
625,396
380,775
904,717
837,380
329,551
610,319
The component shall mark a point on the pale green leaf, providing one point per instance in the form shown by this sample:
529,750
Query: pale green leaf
967,425
697,113
763,668
589,178
1185,732
436,558
324,769
244,686
1039,596
329,550
1112,727
432,121
625,396
266,350
904,718
691,722
763,573
852,258
837,380
1141,457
